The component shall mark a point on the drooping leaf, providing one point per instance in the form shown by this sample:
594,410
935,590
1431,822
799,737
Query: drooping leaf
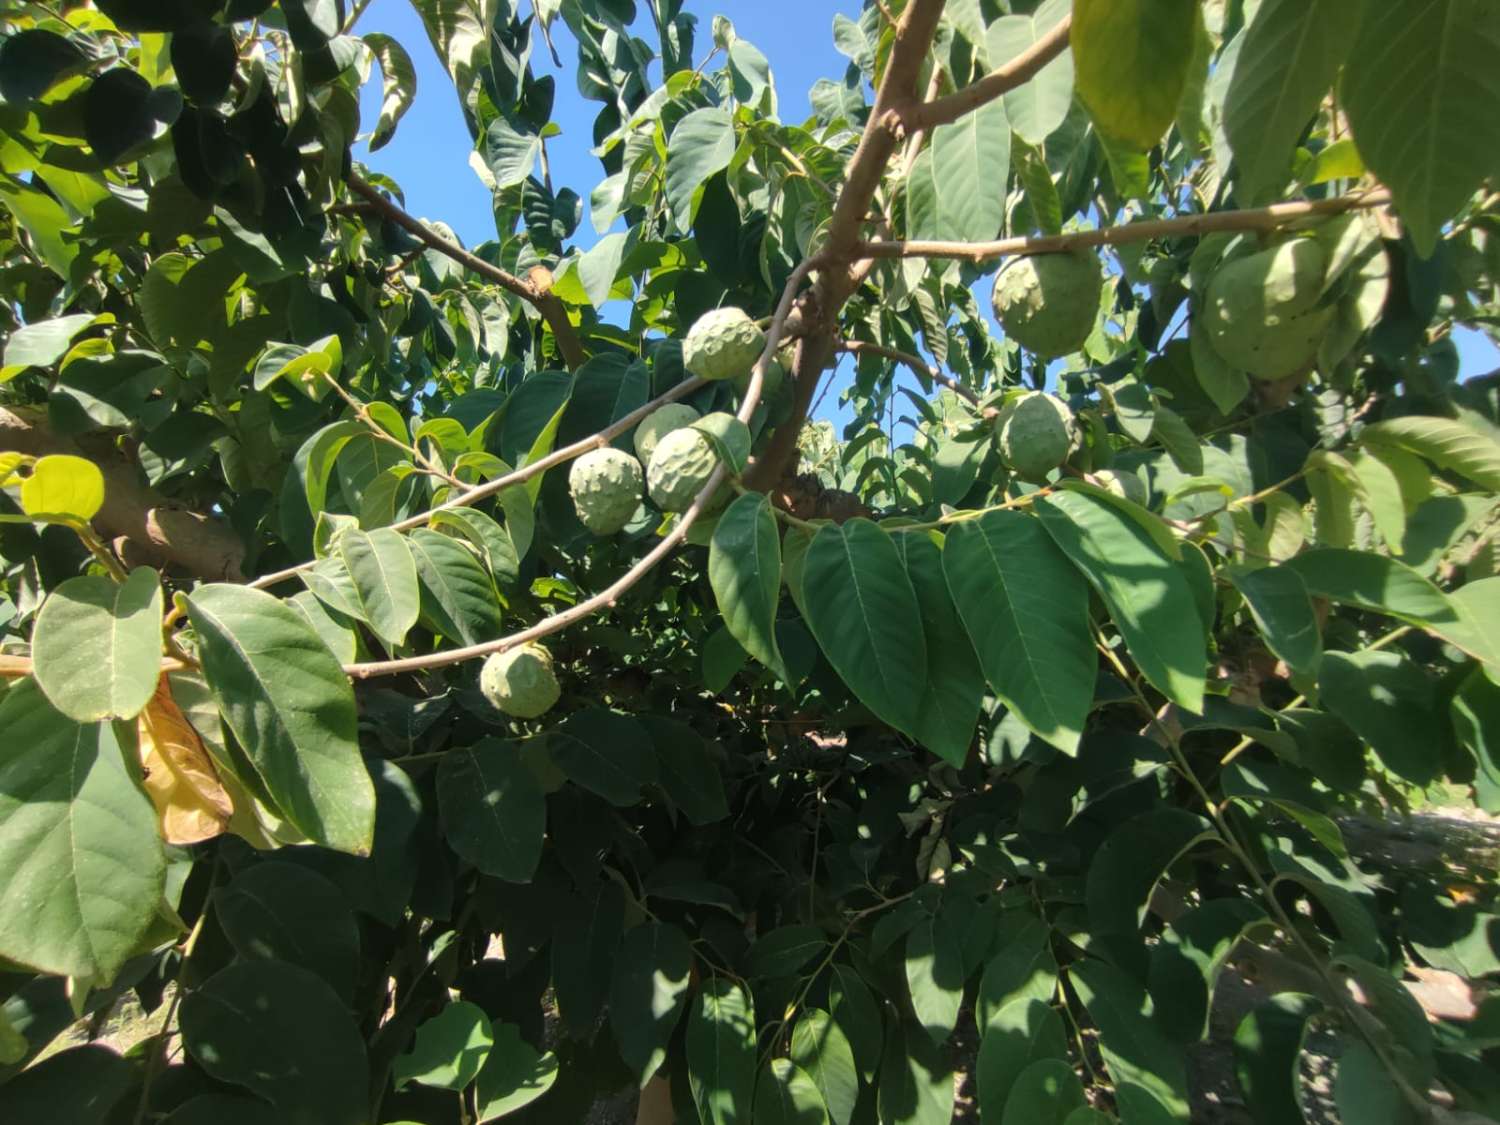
916,1084
785,1095
647,994
700,146
689,773
1038,108
514,1075
1132,861
494,812
950,192
585,939
744,568
821,1049
785,950
1390,702
385,580
449,1050
935,975
1132,59
288,913
1046,1093
1267,1050
721,1053
1279,602
1023,1032
399,78
457,599
97,645
1447,443
605,752
1146,1066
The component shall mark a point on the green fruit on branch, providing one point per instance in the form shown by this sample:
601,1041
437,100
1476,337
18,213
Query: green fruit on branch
606,485
1036,434
770,385
658,424
680,467
722,344
1262,312
520,682
1048,303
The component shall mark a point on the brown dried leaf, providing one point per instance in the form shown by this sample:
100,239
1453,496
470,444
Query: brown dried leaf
180,778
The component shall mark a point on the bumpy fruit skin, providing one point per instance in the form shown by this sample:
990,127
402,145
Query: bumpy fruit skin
1262,312
1037,435
680,467
722,344
606,486
1048,303
775,377
658,424
520,682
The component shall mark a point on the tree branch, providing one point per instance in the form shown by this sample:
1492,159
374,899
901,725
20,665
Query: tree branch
916,363
538,295
158,530
1259,218
1020,70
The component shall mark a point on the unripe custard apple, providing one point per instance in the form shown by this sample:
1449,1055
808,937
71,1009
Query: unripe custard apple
606,486
1037,435
722,344
680,467
1048,303
520,682
775,377
1262,312
658,424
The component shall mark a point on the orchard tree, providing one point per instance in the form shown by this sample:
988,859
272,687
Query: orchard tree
445,684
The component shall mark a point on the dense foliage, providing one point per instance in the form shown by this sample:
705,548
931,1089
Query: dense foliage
405,768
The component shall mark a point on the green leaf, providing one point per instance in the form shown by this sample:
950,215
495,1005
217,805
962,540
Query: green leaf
586,935
854,1009
289,913
689,773
457,598
63,488
954,692
43,218
81,864
950,191
77,1086
223,1109
1022,967
1026,611
494,813
291,707
515,1074
1045,1093
647,994
822,1051
935,975
1448,444
97,645
44,343
399,84
1433,146
1365,1091
784,951
744,568
916,1082
606,753
1389,702
785,1095
1037,108
1224,386
31,61
724,658
729,437
865,616
1279,602
721,1053
1381,496
336,630
1267,1050
1147,1067
1175,436
1147,595
1133,860
459,31
1290,56
1132,59
282,1033
385,581
511,149
1023,1032
1476,721
449,1049
496,544
701,145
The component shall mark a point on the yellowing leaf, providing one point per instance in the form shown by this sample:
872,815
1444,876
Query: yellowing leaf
181,781
63,487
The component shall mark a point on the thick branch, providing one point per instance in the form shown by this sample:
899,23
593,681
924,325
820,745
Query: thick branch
1259,218
538,296
158,531
916,363
1020,70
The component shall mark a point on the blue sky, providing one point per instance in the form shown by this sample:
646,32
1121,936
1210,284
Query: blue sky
429,154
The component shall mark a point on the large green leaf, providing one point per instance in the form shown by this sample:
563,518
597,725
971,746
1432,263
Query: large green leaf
822,1050
1448,444
606,753
449,1049
81,864
1039,107
1391,703
688,771
1430,138
865,616
1132,58
1290,56
457,598
854,1009
1026,610
279,1031
290,706
701,145
97,645
916,1082
399,85
515,1074
647,994
1147,1067
786,1095
1132,861
1045,1093
586,935
77,1086
1279,602
950,193
459,31
385,580
1267,1056
721,1053
494,812
744,568
1147,594
1476,722
935,975
1023,1032
291,913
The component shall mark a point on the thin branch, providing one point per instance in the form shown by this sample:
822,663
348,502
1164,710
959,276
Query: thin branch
916,363
539,297
519,476
1259,218
1019,71
609,597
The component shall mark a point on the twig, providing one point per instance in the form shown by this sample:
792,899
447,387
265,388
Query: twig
420,460
539,297
1020,70
1258,218
916,363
